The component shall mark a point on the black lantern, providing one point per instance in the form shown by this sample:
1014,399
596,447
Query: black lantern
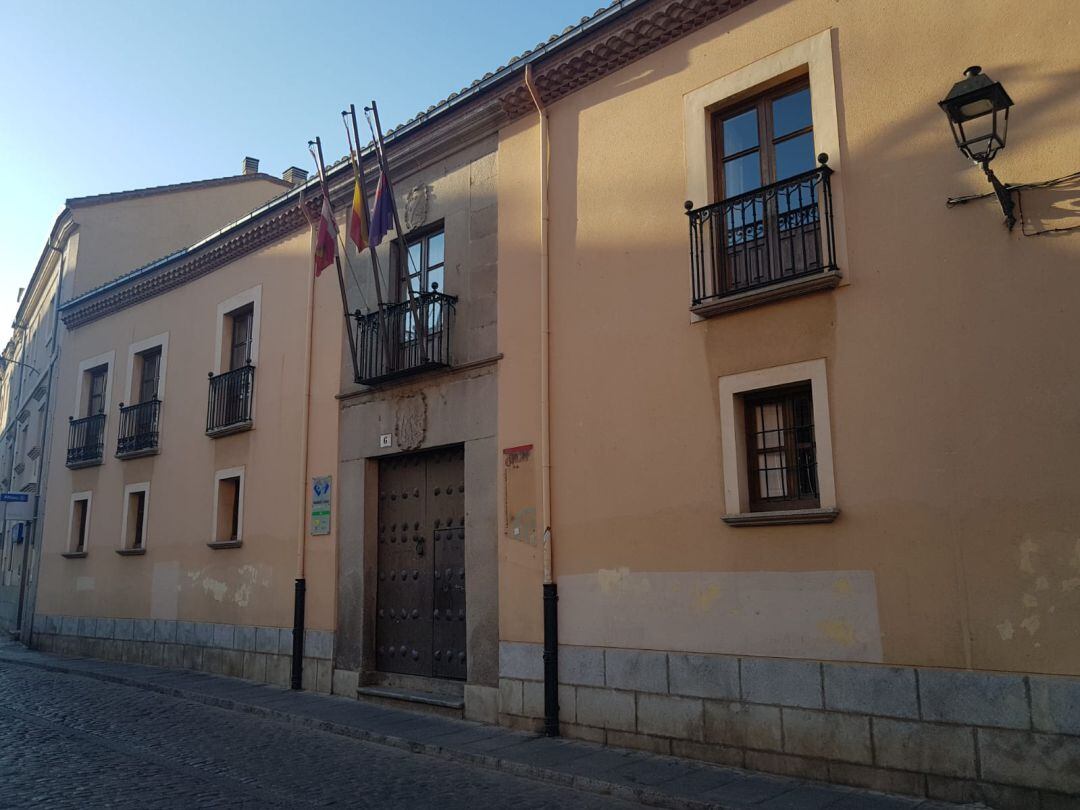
978,111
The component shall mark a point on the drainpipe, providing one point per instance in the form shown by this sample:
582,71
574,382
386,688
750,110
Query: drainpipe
551,593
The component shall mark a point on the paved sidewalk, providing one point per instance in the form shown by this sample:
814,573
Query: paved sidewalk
636,776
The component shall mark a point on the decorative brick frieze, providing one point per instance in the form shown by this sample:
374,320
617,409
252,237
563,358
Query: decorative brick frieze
624,40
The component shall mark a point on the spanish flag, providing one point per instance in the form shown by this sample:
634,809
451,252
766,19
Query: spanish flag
358,230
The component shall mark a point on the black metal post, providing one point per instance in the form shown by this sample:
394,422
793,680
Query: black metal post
298,635
551,659
1003,194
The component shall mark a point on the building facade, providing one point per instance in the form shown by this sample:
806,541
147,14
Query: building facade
677,322
810,502
165,422
91,238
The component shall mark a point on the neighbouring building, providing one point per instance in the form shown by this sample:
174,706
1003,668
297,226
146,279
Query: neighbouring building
91,239
678,322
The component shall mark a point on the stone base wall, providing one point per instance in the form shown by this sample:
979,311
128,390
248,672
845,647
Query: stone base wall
1011,741
241,651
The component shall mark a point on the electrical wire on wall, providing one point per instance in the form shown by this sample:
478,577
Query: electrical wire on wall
1018,188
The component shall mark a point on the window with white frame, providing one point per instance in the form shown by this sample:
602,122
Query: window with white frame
228,526
79,524
777,446
766,220
136,512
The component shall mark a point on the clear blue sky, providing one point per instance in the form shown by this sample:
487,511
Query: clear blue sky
108,95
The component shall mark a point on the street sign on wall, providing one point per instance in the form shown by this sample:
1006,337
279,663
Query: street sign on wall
320,505
18,505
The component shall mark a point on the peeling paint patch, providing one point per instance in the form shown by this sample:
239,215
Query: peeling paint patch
1005,629
839,631
1031,624
84,583
1070,584
248,575
1030,601
1042,584
707,597
1027,548
215,588
612,580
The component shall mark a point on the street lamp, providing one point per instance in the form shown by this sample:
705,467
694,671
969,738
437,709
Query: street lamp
978,111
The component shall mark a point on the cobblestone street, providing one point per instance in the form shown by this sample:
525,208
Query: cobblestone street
69,741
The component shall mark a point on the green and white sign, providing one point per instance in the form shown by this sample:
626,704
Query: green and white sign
320,505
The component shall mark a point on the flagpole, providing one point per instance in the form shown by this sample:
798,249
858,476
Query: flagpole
296,680
358,167
421,324
337,262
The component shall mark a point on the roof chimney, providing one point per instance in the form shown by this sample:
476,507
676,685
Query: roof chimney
294,175
251,165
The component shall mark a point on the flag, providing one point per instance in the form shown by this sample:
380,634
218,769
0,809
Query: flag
325,242
382,217
358,222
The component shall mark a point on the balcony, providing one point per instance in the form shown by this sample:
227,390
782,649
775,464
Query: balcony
86,441
228,408
390,344
773,242
138,434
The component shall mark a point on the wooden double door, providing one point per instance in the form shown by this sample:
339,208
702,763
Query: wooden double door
420,601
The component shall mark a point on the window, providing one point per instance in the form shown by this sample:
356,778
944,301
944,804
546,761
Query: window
149,365
79,524
97,379
768,226
228,528
230,398
765,140
766,221
776,445
236,342
241,327
133,530
424,273
86,434
781,453
424,265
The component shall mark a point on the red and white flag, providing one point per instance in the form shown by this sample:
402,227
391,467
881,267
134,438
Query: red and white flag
326,241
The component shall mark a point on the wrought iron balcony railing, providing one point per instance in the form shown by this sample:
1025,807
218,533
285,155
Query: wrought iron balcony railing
774,234
138,434
228,408
398,341
86,440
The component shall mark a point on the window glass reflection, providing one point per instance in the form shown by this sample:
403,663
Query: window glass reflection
791,113
740,132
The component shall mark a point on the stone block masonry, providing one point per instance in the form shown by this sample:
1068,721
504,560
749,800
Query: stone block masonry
1006,740
241,651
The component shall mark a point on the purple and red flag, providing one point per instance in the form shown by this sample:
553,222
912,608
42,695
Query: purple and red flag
382,216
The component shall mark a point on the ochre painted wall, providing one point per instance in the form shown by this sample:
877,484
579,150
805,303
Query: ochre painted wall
951,376
179,577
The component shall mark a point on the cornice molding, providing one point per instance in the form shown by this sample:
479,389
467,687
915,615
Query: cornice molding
601,52
624,40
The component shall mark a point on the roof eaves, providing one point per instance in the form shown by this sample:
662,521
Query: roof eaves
150,191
